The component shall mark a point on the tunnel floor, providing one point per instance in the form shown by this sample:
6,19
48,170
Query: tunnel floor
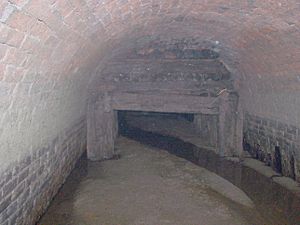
276,198
147,186
166,175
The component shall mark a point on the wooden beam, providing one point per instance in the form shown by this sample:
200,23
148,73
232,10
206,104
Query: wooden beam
167,87
164,103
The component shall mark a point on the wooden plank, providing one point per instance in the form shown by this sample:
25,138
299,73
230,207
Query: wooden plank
164,103
168,87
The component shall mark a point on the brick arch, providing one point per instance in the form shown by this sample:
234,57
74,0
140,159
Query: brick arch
50,48
57,31
46,43
51,51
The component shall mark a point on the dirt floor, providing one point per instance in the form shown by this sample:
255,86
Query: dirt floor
147,186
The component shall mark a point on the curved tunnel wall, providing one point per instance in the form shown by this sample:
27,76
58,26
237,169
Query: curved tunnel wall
51,51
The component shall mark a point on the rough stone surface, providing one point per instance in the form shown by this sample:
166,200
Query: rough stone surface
28,186
202,72
263,135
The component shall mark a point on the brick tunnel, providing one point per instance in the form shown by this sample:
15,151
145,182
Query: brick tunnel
68,68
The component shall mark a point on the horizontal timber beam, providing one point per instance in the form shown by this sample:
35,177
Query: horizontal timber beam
171,87
164,103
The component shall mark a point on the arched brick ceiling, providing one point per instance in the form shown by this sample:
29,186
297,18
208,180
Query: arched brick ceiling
50,48
261,36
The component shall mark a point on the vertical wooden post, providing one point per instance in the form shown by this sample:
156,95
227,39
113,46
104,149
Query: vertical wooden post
227,144
221,131
102,129
239,130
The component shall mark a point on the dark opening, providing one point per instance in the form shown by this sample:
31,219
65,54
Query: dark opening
292,164
125,116
277,160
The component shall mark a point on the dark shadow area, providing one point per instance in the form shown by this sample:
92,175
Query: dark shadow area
277,163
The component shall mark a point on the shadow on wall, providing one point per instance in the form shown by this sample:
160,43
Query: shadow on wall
273,143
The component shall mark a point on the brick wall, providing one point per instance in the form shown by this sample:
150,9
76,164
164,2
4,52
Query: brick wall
263,135
43,43
49,49
27,186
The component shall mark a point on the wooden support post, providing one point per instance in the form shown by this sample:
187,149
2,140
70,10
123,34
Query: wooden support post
102,128
227,144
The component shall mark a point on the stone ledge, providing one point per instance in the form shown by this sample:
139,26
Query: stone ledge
260,167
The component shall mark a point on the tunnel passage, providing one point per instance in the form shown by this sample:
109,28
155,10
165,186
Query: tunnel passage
200,128
53,57
176,77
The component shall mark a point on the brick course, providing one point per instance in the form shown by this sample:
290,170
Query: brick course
262,136
27,187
